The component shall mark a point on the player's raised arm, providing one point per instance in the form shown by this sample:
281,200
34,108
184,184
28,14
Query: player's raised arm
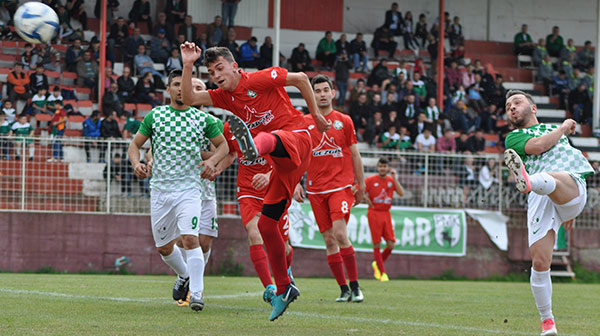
189,54
542,144
397,185
300,80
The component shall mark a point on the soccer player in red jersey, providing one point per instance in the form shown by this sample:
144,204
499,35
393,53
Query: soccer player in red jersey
252,179
335,167
380,190
264,123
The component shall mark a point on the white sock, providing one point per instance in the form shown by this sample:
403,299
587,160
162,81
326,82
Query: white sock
542,183
206,256
196,267
183,253
176,262
541,286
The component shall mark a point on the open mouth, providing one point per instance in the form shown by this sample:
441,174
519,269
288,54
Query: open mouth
221,82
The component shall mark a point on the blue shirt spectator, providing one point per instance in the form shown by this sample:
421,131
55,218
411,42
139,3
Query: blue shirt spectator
249,54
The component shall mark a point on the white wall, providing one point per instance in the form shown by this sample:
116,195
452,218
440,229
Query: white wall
576,18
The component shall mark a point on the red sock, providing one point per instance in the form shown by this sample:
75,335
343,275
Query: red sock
350,262
290,256
335,263
261,265
378,260
269,230
265,143
386,253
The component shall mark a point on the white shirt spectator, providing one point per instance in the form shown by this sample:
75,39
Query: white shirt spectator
428,144
10,114
486,179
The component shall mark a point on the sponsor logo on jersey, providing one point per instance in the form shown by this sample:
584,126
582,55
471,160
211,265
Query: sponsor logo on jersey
251,94
255,119
274,74
338,124
382,198
328,147
260,161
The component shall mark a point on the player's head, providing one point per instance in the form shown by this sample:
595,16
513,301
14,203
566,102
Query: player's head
324,92
521,108
383,167
197,86
222,67
174,88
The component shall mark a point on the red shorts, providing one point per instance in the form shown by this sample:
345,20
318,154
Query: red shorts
251,205
287,172
331,207
380,224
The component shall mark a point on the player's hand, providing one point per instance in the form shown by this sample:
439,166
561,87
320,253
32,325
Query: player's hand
189,52
149,167
141,170
568,225
208,170
359,195
322,124
393,173
299,194
568,126
260,181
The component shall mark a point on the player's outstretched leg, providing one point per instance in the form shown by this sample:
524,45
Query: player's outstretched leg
243,137
515,164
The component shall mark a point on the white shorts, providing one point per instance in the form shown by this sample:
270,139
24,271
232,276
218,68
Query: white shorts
208,221
544,215
173,214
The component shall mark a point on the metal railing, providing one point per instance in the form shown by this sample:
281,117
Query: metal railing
90,180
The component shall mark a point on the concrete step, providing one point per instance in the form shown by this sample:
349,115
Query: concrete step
551,113
518,86
584,142
540,99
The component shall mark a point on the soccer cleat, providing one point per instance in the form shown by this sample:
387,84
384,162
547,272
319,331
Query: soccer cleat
376,272
515,164
346,296
181,288
243,137
196,301
357,295
549,328
291,276
282,301
184,303
269,294
384,277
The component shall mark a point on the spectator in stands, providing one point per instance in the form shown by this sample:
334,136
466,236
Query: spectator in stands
112,7
585,57
391,88
455,33
462,145
476,143
56,95
560,85
230,43
476,100
390,139
38,80
425,142
376,127
374,98
383,39
266,54
420,88
126,86
144,64
108,78
22,128
76,10
539,53
546,72
120,171
160,47
379,74
408,110
91,130
447,143
48,57
468,77
109,129
554,42
432,111
392,119
249,55
432,49
131,44
131,125
394,21
342,45
488,175
38,101
523,44
216,31
228,10
94,49
118,33
111,100
574,80
326,51
359,54
342,76
29,58
360,112
357,90
18,84
410,40
300,59
458,54
463,118
588,80
64,22
174,62
567,66
59,125
177,10
568,50
203,42
74,55
454,75
419,126
467,174
145,90
391,104
580,104
169,27
421,30
5,144
87,71
188,29
140,12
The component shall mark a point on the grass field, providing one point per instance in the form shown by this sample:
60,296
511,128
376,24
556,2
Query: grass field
48,304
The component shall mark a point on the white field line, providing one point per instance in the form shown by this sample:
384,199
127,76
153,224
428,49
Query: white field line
301,314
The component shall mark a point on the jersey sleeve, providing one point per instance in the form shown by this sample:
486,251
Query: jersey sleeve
219,98
214,127
517,141
146,126
267,79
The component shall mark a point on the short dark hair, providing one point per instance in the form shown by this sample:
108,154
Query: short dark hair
95,113
173,74
511,93
211,55
383,161
253,38
23,115
321,79
56,88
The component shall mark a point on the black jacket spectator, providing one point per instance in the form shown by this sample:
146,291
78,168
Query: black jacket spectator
176,11
38,81
476,144
379,74
74,55
111,101
119,32
110,128
383,39
188,30
342,45
360,112
300,59
394,15
357,47
140,12
126,88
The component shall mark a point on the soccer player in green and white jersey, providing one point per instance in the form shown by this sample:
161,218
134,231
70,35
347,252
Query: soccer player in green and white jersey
177,132
553,174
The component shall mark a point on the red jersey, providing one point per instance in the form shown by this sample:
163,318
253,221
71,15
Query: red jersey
331,167
261,102
246,169
381,191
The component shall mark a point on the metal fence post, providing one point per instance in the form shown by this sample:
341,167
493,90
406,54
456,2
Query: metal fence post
108,173
23,175
501,196
426,182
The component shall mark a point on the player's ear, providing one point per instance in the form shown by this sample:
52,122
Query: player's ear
234,65
534,109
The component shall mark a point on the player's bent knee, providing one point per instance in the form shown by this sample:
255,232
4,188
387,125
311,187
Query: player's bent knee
541,264
165,250
390,244
190,242
254,237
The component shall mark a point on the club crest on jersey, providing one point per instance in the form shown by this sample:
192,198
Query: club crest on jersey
264,118
328,147
274,74
389,184
251,94
338,124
